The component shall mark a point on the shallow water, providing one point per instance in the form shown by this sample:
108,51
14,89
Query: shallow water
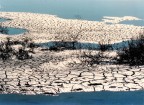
86,45
3,19
90,98
12,31
135,22
80,9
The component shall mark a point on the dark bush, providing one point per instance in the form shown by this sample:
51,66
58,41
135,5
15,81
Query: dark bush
54,48
5,56
62,45
22,54
91,59
7,52
134,53
3,30
105,47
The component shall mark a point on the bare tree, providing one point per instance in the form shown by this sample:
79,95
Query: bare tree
90,58
73,37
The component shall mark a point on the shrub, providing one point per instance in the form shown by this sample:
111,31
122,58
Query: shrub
105,47
61,45
90,58
5,56
22,54
7,52
57,46
134,53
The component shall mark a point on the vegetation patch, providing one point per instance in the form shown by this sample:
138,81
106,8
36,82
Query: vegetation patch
16,49
134,53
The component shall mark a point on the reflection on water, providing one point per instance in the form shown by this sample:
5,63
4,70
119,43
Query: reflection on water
90,98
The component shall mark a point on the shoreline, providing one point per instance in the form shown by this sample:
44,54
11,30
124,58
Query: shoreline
60,72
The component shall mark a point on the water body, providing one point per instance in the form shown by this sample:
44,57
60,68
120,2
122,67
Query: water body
3,19
90,98
12,31
135,22
80,9
87,45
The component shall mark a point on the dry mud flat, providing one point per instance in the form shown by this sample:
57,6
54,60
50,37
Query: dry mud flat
57,72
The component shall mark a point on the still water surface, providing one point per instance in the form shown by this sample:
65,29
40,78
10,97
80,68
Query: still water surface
90,98
12,31
80,9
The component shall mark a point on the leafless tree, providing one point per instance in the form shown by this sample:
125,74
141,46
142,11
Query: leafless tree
74,36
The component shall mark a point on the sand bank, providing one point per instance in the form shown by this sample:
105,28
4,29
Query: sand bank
116,20
55,28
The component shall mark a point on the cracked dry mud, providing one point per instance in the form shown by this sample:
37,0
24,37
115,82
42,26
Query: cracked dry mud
57,72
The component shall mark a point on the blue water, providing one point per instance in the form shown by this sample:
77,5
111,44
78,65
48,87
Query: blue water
90,98
13,31
3,19
10,30
81,9
87,45
135,22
